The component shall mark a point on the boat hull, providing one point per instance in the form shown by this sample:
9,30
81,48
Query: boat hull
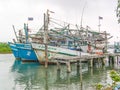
53,52
23,51
15,50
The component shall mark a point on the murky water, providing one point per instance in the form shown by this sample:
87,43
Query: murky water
16,75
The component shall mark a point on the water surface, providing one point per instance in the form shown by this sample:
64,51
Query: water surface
16,75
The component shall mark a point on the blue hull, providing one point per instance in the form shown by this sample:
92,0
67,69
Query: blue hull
23,51
15,50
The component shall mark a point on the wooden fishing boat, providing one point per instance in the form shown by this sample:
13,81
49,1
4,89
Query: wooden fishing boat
64,41
22,49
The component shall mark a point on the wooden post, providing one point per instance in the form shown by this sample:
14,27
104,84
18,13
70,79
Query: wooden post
99,62
46,80
46,56
46,37
117,60
68,67
68,81
91,63
91,71
78,67
81,84
113,60
58,74
78,63
106,41
58,66
103,61
109,60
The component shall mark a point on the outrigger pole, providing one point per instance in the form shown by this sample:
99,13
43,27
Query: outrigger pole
15,32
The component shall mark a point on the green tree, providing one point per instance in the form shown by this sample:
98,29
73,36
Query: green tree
118,11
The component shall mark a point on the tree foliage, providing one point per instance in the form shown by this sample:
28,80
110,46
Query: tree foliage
118,11
4,48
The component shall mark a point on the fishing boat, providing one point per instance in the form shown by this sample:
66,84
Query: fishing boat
117,87
14,49
116,47
64,41
56,41
63,45
22,49
54,52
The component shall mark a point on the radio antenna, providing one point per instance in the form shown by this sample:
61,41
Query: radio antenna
82,13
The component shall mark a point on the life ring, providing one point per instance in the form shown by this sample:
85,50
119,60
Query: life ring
99,53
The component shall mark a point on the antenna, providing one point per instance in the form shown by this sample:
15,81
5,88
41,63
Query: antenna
82,13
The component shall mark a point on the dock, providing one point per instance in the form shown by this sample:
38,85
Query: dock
91,59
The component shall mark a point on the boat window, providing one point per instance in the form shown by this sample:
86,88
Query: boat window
62,42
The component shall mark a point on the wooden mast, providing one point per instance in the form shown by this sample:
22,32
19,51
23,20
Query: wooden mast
15,32
46,17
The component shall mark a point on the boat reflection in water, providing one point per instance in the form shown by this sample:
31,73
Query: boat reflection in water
32,76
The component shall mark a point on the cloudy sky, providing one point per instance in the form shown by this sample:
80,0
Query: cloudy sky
16,12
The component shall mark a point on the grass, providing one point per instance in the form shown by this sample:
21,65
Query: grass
4,48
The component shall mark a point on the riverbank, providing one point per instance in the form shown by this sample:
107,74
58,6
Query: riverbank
4,48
